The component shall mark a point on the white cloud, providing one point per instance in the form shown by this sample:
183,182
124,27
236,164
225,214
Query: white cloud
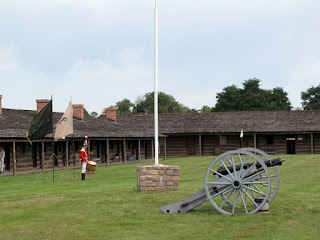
305,75
8,57
101,51
105,83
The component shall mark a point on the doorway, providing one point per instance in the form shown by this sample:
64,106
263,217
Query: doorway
191,146
291,145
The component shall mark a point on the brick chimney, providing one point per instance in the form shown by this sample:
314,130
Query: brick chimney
0,104
111,114
41,103
78,111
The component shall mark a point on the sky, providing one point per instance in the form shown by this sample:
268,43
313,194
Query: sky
99,52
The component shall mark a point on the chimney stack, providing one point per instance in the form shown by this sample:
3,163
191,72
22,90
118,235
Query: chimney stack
78,111
111,114
41,103
0,104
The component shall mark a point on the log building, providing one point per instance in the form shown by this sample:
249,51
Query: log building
125,138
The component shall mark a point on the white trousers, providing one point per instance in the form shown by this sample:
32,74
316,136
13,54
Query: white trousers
2,165
84,167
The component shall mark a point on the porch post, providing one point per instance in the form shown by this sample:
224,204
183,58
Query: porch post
124,151
34,155
200,146
255,140
219,144
14,159
165,148
67,154
139,150
311,143
42,154
107,154
152,150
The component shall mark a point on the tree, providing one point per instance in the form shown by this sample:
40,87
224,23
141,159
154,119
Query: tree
94,114
251,98
185,109
167,104
85,112
278,99
311,98
228,99
206,109
140,105
124,106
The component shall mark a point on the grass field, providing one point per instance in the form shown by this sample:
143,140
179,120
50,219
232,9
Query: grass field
108,206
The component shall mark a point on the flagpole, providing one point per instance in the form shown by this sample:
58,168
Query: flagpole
156,141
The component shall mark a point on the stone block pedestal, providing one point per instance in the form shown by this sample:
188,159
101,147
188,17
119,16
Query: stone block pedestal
158,178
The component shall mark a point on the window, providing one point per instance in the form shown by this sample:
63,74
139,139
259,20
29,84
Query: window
270,140
161,142
22,148
223,140
301,139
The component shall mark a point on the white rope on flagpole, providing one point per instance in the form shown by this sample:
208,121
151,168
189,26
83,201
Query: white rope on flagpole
156,141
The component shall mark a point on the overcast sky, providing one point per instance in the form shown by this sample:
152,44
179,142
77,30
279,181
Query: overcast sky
99,52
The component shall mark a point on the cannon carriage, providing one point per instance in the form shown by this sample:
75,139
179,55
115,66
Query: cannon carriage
243,180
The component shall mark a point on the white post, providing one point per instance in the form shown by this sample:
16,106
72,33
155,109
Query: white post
156,142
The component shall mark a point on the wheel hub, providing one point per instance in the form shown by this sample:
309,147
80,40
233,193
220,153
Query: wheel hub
237,184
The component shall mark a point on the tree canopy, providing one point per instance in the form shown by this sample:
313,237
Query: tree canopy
124,106
206,109
311,98
92,114
251,98
167,104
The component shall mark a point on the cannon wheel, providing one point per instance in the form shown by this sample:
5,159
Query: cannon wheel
242,188
274,173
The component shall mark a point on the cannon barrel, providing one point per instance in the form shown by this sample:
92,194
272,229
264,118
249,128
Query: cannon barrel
269,163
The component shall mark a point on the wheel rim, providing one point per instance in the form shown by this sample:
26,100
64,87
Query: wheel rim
237,191
274,172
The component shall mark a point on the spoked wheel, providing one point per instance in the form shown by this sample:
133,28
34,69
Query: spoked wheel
233,184
274,173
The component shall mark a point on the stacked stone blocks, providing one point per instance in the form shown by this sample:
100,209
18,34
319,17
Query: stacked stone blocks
158,178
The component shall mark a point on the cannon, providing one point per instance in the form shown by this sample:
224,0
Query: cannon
243,180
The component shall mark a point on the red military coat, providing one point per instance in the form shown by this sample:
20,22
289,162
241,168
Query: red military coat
84,155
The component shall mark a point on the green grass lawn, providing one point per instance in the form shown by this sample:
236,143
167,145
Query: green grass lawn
108,206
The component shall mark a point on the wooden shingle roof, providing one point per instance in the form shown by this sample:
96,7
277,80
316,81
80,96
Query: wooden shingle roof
229,122
15,123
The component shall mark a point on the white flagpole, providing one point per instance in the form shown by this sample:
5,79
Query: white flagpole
156,141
